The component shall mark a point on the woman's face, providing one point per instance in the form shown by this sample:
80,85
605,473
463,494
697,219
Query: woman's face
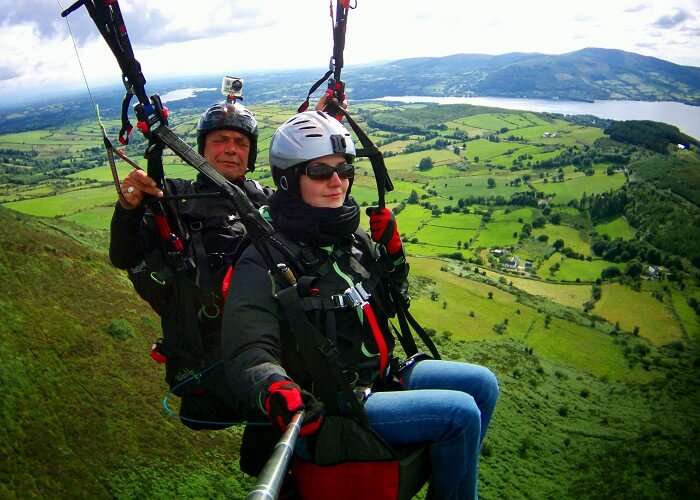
324,193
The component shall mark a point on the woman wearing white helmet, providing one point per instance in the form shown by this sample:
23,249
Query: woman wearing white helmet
277,367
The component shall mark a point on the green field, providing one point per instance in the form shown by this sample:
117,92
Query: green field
498,234
457,221
574,345
66,203
566,294
621,304
616,228
493,122
567,134
410,161
533,250
572,269
94,218
584,348
459,186
527,214
575,188
412,218
572,237
396,146
688,318
444,236
487,150
463,296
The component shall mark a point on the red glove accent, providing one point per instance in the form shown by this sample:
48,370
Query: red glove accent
384,229
284,399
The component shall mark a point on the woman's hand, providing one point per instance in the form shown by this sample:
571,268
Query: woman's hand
285,398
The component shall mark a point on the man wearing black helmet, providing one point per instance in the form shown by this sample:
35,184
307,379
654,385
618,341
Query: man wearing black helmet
185,288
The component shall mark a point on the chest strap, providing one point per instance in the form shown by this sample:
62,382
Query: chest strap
320,356
338,301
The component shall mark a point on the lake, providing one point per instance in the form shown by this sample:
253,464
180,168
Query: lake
685,117
180,94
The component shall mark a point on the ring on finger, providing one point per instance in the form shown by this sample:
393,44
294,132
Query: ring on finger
130,189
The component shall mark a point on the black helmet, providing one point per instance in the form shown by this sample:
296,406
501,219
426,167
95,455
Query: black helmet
225,116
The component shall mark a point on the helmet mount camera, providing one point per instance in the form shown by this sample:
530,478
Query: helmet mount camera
232,88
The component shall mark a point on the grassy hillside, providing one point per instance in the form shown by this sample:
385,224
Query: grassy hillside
79,412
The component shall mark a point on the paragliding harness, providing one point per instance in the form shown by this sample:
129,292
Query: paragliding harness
345,446
187,289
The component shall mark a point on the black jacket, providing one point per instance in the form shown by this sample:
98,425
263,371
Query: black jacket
132,233
175,288
258,346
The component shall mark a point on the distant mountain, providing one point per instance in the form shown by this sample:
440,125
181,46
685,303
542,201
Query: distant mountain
586,74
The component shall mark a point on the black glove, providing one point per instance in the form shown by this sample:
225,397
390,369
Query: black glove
285,398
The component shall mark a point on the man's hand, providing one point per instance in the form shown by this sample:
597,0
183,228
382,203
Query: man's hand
384,230
135,187
285,398
327,104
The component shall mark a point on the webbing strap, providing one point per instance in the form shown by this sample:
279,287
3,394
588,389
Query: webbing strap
188,337
126,129
305,105
204,281
421,333
320,357
378,338
381,175
405,337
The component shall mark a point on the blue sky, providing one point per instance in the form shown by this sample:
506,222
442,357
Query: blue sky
178,37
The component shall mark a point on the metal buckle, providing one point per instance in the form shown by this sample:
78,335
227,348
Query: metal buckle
338,300
353,296
357,295
363,293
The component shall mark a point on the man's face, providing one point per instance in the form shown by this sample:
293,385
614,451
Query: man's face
227,151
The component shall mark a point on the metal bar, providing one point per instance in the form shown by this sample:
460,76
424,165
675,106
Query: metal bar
272,476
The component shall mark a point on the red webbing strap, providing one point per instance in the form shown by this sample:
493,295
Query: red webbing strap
226,282
166,234
378,338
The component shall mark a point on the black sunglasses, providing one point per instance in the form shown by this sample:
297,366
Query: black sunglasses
323,172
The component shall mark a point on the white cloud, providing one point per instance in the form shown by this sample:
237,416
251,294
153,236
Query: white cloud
174,37
674,19
637,8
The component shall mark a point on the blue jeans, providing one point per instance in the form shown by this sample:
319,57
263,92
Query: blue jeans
448,404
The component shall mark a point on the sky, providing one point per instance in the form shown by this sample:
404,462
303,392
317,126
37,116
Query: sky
235,37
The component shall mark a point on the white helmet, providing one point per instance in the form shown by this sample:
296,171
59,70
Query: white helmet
306,136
